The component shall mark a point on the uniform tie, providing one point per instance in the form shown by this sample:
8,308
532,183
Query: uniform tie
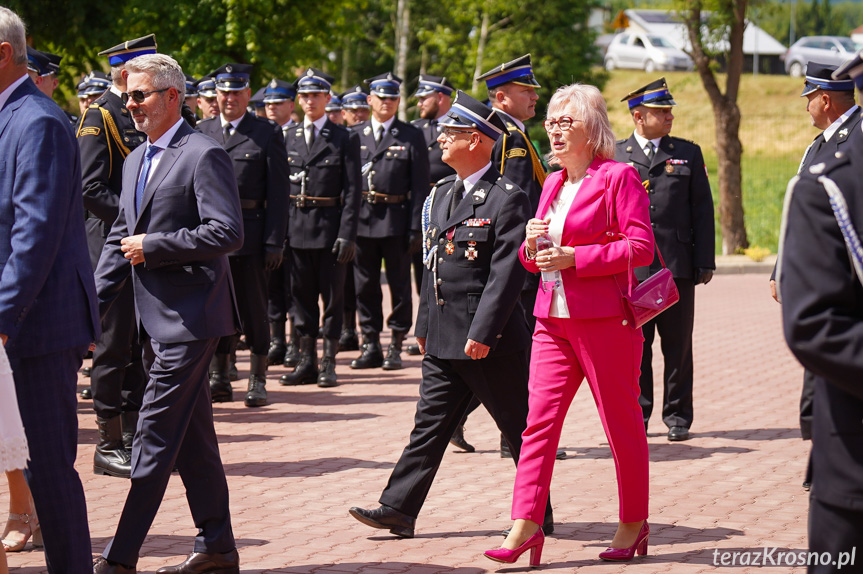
145,172
379,134
226,132
650,151
457,190
310,135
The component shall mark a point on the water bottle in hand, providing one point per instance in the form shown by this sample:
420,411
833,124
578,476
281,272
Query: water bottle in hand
550,279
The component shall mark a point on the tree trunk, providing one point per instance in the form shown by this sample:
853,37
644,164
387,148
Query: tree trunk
403,31
729,151
726,117
346,63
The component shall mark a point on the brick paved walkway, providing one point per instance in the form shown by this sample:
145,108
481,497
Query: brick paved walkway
297,465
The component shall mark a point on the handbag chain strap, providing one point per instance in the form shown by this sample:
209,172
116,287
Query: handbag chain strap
609,202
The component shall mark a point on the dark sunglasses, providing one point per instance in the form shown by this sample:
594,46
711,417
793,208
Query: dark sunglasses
138,96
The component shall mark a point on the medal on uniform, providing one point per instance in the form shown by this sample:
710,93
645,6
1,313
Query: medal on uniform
471,252
449,247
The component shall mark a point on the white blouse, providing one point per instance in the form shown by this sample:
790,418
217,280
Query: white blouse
557,213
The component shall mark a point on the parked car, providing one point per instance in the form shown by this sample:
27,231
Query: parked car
647,52
822,49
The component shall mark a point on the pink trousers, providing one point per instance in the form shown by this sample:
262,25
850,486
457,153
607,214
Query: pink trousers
564,352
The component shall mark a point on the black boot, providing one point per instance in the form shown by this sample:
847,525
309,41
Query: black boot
348,341
393,362
278,348
372,356
327,378
459,440
129,420
233,373
220,384
87,392
292,350
256,396
111,457
306,372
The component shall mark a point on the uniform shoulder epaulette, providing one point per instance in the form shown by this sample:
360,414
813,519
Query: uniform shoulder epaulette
450,177
507,185
682,140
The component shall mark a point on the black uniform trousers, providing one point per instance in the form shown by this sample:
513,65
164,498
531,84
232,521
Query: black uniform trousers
675,332
316,273
279,299
367,279
175,427
350,299
117,375
446,390
250,286
45,386
837,531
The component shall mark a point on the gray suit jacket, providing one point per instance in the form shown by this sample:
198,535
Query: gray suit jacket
191,214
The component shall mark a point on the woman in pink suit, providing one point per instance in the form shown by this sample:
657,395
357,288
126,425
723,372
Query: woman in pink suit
581,331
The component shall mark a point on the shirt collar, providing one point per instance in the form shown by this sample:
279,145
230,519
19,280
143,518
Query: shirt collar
319,123
832,129
471,180
234,123
164,141
386,124
116,91
7,93
642,141
518,123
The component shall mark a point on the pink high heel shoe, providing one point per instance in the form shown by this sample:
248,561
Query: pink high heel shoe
626,554
534,544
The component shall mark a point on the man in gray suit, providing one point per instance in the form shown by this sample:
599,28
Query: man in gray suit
179,218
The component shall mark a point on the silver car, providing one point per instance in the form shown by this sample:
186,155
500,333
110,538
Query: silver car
832,50
647,52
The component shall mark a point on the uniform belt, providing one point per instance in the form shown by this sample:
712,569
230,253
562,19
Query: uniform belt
314,201
253,204
374,197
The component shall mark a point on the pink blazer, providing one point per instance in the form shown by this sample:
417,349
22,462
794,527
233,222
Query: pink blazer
590,287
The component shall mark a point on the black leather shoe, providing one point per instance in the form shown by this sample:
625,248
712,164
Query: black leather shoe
386,518
85,371
458,440
103,566
306,372
200,562
807,485
87,393
413,350
677,434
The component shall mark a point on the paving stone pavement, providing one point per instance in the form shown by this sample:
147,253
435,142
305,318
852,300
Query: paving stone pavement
296,466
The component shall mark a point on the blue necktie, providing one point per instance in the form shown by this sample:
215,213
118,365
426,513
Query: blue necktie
142,179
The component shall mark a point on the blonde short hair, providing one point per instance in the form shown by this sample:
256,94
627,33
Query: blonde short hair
588,105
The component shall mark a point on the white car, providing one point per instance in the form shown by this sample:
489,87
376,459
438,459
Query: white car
647,52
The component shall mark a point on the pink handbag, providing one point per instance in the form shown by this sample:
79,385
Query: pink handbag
653,295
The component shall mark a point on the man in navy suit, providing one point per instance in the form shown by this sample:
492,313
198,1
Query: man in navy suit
48,312
179,218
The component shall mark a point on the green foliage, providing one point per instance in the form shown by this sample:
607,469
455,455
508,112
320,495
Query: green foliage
350,39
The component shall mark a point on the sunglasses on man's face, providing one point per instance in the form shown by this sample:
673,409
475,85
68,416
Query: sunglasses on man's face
138,96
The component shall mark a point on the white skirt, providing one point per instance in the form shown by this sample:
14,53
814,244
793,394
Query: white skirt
13,442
